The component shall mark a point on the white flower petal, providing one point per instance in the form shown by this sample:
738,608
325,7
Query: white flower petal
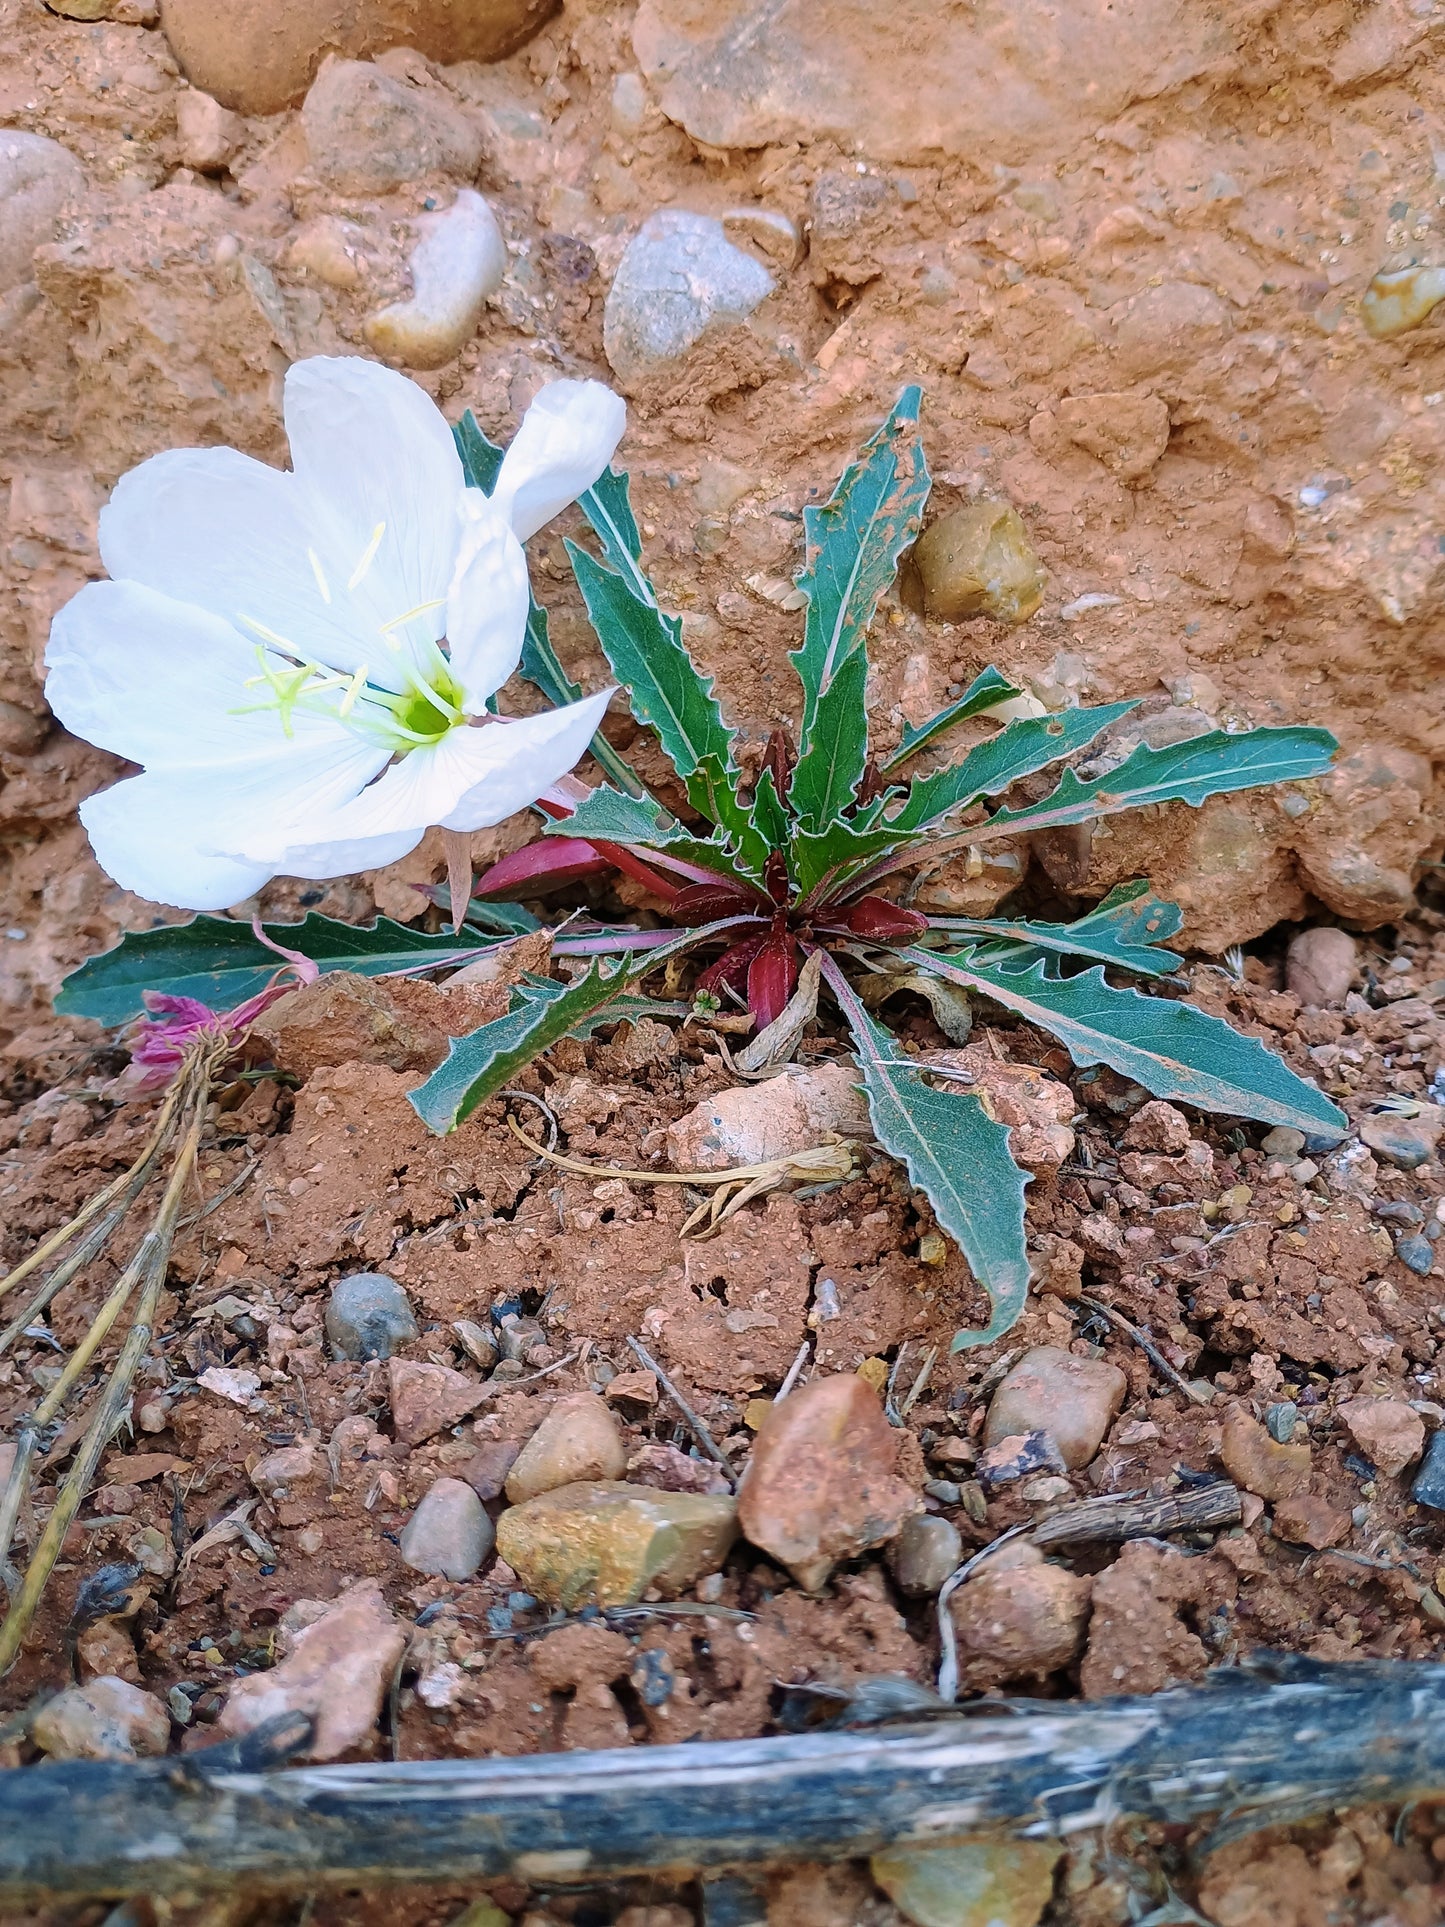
566,440
373,451
524,758
160,682
132,829
489,602
213,527
177,835
345,857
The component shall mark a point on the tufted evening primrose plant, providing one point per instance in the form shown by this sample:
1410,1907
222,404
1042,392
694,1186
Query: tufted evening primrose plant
303,663
794,872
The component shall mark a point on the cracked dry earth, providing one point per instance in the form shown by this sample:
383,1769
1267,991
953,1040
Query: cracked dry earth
1129,273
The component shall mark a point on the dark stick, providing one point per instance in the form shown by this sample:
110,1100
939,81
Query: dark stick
1281,1742
694,1424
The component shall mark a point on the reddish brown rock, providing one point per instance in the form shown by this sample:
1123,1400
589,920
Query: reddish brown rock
336,1669
1259,1463
1073,1399
1036,1107
670,1470
1389,1434
820,1485
486,1471
1019,1619
108,1719
1308,1519
1157,1126
1147,1606
403,1024
426,1399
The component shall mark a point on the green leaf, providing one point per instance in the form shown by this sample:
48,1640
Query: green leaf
542,1012
1124,929
608,507
477,1066
771,821
824,861
987,769
955,1153
851,549
664,686
1181,773
222,964
605,816
481,459
986,689
1171,1048
540,664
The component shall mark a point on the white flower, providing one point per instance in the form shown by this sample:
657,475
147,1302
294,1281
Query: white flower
301,661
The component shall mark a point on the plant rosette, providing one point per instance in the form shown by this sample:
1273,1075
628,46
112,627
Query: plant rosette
811,855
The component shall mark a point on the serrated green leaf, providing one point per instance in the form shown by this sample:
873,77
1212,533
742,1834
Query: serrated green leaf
771,821
825,861
1187,772
1127,928
664,687
540,665
542,1012
222,964
481,458
608,507
606,816
957,1155
1171,1048
477,1066
989,768
987,688
851,547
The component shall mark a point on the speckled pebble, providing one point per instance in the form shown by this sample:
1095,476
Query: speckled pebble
369,1316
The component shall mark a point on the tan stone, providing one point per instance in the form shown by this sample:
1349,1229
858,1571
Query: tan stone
979,561
1320,964
108,1719
820,1485
209,133
976,1883
1019,1619
342,1018
368,132
336,1670
1074,1400
1259,1463
1127,433
580,1439
754,1122
1389,1434
604,1543
1308,1519
258,55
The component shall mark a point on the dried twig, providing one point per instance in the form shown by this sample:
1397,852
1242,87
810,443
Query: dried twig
947,1639
1104,1520
694,1424
795,1371
1150,1350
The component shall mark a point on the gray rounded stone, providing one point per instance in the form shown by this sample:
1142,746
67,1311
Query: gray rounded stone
449,1534
37,177
925,1552
369,1316
679,279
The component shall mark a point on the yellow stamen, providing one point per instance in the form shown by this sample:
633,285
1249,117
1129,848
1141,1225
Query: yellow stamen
368,557
316,569
353,690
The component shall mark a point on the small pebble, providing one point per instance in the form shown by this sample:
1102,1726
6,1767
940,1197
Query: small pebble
1386,1430
449,1534
1405,1142
1429,1485
180,1706
1400,300
368,1316
580,1438
1418,1253
1320,966
944,1490
979,1883
602,1543
107,1719
1282,1142
925,1552
1074,1400
679,279
1280,1421
979,561
459,262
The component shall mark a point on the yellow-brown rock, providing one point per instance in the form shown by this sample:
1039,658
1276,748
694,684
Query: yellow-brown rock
979,561
1259,1463
603,1543
259,55
820,1486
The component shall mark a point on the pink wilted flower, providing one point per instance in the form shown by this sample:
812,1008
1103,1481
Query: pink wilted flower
159,1040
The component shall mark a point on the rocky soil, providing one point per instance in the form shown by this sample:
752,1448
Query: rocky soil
451,1510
